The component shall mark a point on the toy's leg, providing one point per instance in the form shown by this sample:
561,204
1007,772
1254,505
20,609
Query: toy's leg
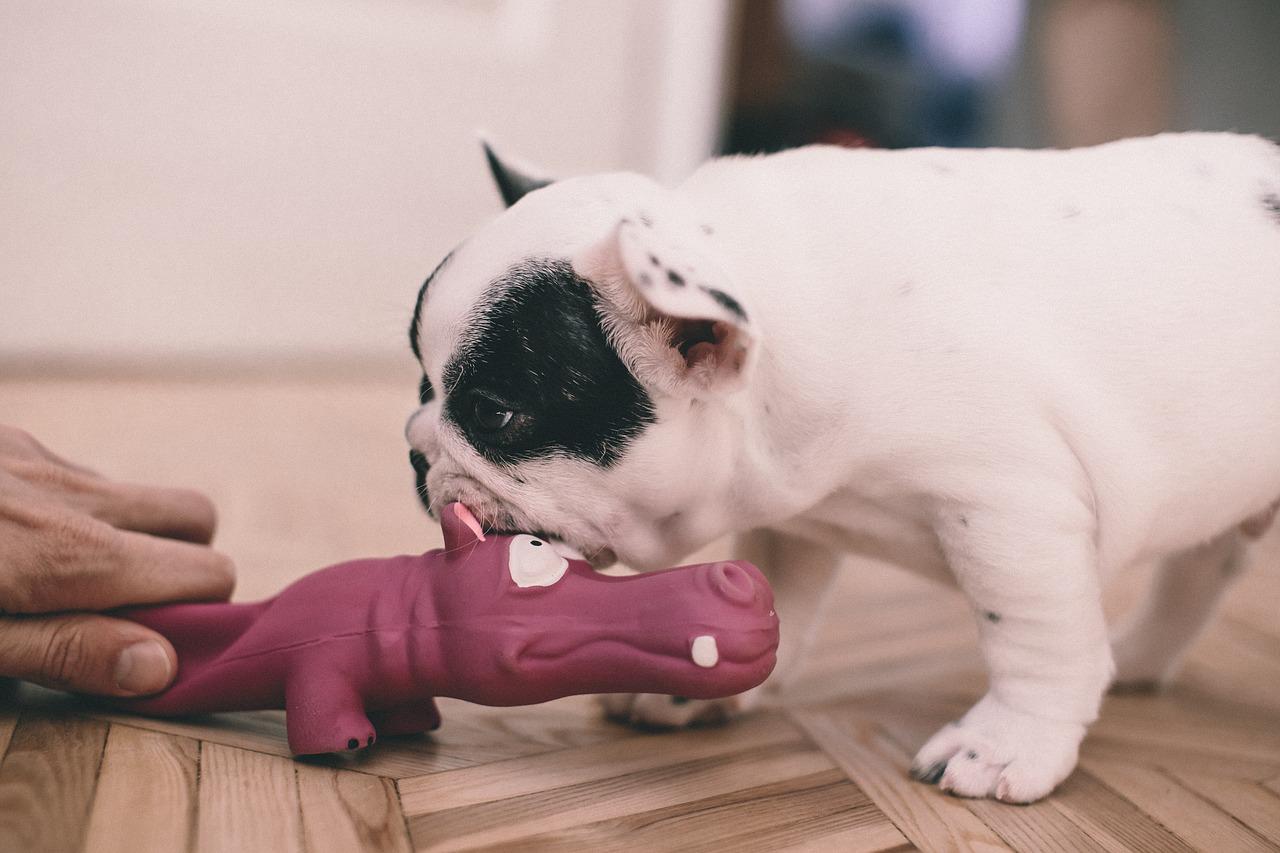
800,573
324,713
1032,581
1187,588
407,720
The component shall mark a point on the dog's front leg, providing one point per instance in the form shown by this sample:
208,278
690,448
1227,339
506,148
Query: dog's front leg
1031,577
799,572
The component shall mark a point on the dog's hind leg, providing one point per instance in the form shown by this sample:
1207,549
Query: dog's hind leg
1148,646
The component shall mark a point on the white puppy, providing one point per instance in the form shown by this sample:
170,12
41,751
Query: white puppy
1014,370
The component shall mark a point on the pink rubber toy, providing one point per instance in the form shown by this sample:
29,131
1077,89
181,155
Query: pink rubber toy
360,649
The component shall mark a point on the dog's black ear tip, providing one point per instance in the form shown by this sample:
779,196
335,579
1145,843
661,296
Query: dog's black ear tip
514,183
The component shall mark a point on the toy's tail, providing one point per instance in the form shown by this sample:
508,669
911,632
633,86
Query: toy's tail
199,632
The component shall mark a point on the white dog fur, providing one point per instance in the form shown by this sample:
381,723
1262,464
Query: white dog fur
1013,370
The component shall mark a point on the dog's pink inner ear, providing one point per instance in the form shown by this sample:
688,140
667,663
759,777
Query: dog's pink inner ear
708,342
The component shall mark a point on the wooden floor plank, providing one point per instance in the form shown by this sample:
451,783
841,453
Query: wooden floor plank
344,812
146,795
1180,716
1248,802
47,782
637,752
822,810
470,736
1108,817
248,802
1039,826
1190,817
878,766
509,820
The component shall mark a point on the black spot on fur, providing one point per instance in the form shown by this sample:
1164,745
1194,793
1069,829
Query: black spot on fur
653,259
417,309
1271,201
992,616
1069,211
543,354
646,280
646,221
675,278
726,301
964,521
707,229
971,755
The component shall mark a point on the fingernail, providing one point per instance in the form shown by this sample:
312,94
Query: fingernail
142,668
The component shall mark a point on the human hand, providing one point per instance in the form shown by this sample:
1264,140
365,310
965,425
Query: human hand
72,543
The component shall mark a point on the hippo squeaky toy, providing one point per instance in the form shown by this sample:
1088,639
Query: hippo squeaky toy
361,649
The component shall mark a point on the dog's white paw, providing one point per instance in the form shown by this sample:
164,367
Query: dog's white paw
995,751
658,711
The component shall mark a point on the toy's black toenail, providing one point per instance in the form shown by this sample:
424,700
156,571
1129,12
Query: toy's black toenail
353,743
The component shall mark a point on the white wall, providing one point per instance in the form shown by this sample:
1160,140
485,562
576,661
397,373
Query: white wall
203,177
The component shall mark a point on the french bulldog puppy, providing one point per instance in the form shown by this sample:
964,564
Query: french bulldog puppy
1017,371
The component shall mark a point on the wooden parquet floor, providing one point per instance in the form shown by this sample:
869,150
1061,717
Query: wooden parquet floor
309,471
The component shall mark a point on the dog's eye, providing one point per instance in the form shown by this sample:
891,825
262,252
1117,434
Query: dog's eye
490,415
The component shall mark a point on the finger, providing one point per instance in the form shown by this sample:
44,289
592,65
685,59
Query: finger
20,444
171,513
80,563
86,653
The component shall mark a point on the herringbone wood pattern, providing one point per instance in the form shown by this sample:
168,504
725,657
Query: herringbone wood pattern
310,471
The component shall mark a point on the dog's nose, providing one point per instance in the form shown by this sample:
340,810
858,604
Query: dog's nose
733,582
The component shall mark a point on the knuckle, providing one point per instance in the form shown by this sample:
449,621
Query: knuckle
67,658
66,549
46,473
20,439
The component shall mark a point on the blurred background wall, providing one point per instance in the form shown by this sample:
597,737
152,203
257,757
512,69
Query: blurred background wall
270,181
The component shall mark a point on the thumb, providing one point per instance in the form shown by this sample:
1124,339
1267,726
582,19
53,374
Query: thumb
86,653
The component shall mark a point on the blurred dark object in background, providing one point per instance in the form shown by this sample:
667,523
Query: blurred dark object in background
1025,73
888,73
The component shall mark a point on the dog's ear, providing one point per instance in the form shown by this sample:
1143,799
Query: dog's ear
514,182
671,308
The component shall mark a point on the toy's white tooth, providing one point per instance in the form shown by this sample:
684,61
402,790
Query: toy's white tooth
705,653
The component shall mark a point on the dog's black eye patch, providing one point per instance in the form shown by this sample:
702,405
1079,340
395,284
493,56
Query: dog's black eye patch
541,351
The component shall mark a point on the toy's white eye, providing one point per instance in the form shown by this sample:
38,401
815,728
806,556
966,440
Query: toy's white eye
534,563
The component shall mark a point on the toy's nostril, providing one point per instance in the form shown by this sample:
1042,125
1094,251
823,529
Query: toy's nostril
733,582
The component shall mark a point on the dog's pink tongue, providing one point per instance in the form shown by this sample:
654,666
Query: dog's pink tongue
466,517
